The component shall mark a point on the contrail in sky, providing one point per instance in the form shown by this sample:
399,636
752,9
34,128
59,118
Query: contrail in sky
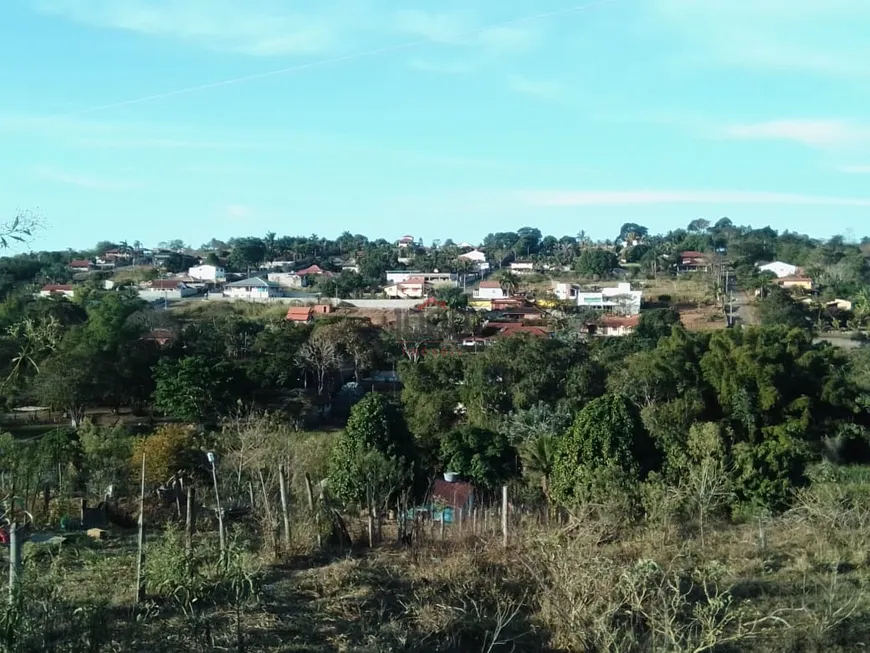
327,62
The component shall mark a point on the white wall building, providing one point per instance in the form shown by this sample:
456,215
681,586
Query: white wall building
287,279
57,290
621,299
522,267
210,273
255,288
413,288
489,290
165,289
780,269
434,278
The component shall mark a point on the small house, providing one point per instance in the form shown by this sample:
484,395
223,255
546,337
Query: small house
692,261
617,325
449,496
489,290
165,289
779,268
81,265
303,314
57,290
255,288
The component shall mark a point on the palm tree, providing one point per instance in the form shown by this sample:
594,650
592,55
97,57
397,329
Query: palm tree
510,282
539,457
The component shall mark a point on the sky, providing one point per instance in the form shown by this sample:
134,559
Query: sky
153,120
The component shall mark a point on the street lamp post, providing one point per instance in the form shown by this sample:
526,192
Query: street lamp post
220,508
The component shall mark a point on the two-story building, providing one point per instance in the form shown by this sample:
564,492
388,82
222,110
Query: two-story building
412,288
433,278
621,300
208,273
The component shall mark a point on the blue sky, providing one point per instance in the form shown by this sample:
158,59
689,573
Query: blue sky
396,117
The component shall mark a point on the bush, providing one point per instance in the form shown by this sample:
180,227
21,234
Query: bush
168,450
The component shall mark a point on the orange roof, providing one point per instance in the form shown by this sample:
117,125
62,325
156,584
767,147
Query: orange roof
413,281
299,313
510,328
490,284
57,287
615,321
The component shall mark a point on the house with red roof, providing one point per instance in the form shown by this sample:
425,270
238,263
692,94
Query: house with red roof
57,290
81,265
692,261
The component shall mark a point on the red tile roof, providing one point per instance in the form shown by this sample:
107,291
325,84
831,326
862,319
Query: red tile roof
311,269
616,321
692,254
80,263
57,287
165,284
413,281
453,495
299,314
490,284
510,328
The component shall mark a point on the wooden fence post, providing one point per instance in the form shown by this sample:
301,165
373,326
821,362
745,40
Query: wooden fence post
285,513
310,494
190,524
140,556
504,515
14,561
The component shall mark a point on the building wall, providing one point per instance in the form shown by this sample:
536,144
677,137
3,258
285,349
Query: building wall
251,293
287,279
779,268
490,293
150,295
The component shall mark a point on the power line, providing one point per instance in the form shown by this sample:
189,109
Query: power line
331,60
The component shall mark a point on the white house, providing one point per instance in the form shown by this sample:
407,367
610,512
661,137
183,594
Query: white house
490,290
287,279
255,288
566,291
413,288
57,290
211,273
780,269
434,278
475,255
165,289
522,267
621,299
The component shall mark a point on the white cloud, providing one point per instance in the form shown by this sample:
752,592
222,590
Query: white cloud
446,67
557,198
818,36
238,212
535,87
256,27
50,173
821,134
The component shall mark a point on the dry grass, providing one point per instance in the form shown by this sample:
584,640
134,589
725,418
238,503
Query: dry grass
799,583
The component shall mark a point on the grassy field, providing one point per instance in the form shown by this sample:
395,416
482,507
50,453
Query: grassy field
798,583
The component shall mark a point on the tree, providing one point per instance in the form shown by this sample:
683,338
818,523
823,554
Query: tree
778,308
538,456
509,281
596,263
698,225
607,441
655,325
484,457
374,441
192,388
247,253
631,231
19,229
453,297
321,355
169,450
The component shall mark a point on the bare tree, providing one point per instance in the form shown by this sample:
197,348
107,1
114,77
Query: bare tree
320,354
